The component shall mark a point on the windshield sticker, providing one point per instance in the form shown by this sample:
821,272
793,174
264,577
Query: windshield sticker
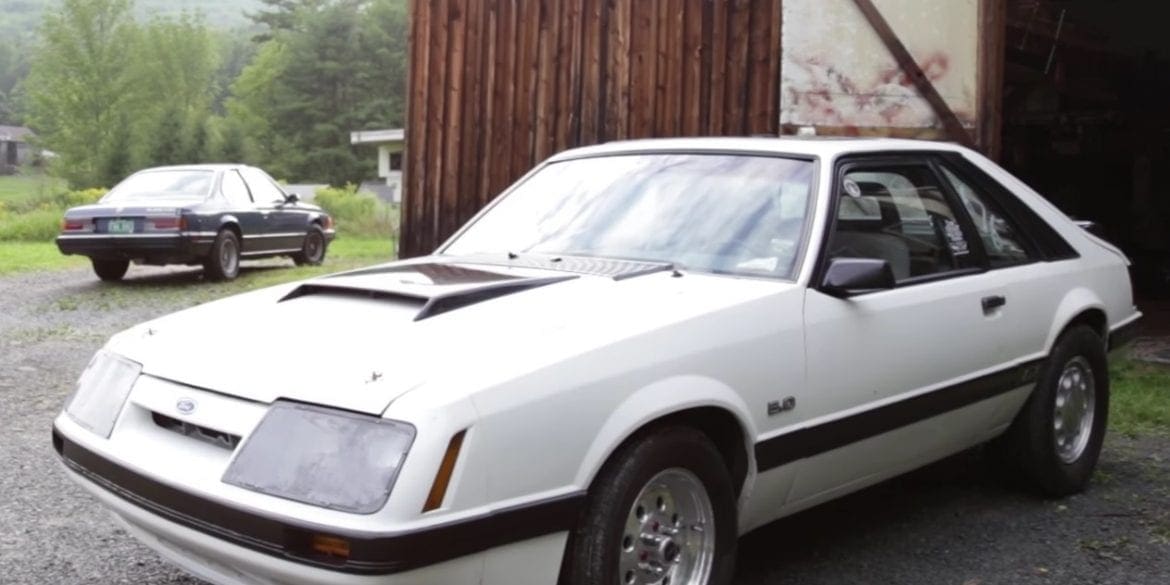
955,239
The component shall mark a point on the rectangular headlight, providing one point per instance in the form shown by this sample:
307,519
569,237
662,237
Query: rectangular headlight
101,392
322,457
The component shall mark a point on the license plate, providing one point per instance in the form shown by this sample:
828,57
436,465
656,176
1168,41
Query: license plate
120,226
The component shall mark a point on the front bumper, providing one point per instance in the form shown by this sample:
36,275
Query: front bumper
226,544
176,248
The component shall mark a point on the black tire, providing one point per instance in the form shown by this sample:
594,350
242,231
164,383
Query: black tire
110,270
223,263
595,545
313,249
1030,449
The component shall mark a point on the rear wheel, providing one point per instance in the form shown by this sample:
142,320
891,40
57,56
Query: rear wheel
224,261
313,249
1056,439
110,270
662,511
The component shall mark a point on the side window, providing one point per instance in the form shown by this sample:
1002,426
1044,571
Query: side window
264,190
235,190
1001,240
899,214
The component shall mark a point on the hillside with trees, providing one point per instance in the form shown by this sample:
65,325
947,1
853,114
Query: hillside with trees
113,86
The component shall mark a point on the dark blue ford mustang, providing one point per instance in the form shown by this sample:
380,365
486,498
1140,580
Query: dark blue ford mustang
204,214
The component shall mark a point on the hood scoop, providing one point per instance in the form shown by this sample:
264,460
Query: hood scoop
433,297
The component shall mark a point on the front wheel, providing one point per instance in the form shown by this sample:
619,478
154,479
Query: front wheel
224,261
1056,439
661,511
110,270
313,249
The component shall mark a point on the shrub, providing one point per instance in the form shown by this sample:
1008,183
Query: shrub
358,213
40,225
38,219
80,197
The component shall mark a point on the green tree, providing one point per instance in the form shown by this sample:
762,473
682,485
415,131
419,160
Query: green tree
81,79
332,68
177,65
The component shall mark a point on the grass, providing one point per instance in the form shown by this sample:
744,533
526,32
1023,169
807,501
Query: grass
19,190
1140,398
29,256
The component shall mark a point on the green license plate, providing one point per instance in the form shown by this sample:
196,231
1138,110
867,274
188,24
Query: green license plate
121,226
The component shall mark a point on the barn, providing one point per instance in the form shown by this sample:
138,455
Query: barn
1060,91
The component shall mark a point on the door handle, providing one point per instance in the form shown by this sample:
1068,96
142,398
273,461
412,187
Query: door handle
992,303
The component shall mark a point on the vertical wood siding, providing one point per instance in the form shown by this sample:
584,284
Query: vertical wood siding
499,85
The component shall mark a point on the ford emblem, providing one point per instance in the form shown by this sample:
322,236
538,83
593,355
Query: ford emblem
185,406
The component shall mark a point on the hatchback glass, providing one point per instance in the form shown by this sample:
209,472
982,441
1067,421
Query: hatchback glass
727,214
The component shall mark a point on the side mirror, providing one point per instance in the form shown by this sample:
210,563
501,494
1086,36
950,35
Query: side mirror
291,198
847,277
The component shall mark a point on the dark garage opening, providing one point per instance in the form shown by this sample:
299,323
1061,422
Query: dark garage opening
1087,121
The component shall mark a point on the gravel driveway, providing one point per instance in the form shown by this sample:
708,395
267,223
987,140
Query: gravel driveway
952,523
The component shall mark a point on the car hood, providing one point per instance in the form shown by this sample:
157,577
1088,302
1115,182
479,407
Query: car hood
359,340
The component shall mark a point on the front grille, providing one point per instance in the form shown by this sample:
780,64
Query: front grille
212,436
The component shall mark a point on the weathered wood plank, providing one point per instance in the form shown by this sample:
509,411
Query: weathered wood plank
593,42
568,68
489,97
448,198
617,78
736,85
643,67
759,80
414,180
989,78
692,68
436,124
776,21
719,58
467,193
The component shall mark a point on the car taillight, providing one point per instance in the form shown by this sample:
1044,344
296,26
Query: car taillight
328,222
72,225
168,223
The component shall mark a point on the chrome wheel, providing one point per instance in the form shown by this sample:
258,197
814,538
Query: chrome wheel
669,537
1076,398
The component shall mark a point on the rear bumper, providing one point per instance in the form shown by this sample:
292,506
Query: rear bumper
178,248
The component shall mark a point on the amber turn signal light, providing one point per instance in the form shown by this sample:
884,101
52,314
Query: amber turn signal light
443,477
330,546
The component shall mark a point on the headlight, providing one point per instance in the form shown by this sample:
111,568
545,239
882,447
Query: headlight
101,392
322,457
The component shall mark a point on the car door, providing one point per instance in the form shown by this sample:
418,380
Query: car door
1026,258
284,222
898,377
239,202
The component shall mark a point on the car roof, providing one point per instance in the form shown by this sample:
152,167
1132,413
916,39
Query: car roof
811,146
204,167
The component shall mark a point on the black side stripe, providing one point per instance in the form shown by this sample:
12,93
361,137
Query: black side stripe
370,554
810,441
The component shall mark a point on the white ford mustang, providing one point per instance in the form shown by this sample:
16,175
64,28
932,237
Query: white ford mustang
639,352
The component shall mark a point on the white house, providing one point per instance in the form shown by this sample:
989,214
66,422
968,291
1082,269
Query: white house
390,145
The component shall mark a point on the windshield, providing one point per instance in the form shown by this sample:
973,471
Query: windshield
174,184
734,214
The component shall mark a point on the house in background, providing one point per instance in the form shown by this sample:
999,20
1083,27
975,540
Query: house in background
390,145
15,151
